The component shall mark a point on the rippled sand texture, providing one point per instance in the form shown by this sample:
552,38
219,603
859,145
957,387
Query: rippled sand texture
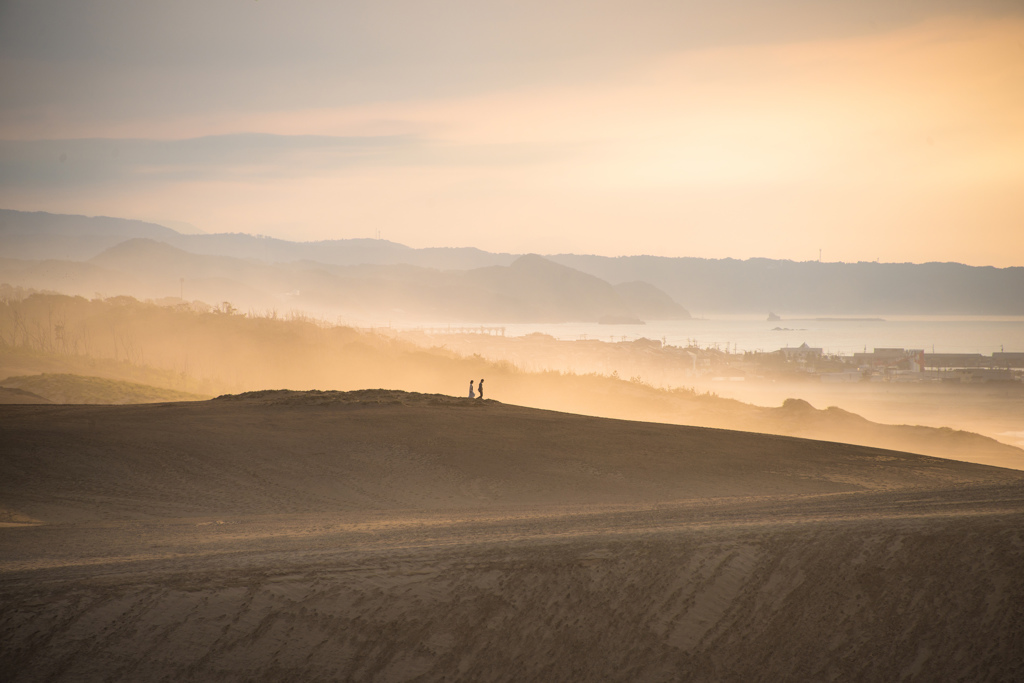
390,536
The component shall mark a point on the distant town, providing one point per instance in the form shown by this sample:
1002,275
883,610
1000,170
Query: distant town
896,365
654,360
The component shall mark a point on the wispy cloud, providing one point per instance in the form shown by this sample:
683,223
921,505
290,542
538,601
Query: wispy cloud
866,129
100,161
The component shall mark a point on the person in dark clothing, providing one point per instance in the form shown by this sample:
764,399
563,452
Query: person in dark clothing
480,389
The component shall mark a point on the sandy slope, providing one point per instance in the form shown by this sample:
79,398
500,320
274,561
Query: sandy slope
391,536
20,397
69,388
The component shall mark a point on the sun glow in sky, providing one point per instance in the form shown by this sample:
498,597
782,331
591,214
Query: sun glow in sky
751,129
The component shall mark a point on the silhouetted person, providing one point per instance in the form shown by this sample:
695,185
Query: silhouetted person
480,388
471,395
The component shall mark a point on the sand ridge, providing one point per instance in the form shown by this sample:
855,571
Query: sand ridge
390,536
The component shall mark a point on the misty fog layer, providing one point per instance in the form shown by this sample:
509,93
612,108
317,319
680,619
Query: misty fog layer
218,351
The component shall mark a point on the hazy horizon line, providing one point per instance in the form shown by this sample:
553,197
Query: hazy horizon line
169,224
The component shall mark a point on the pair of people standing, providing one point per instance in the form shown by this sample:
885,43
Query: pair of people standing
481,389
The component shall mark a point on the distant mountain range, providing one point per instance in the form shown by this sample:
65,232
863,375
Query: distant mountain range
343,279
809,287
373,277
26,235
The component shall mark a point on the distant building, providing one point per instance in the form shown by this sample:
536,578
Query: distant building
908,360
956,361
841,377
802,352
1008,360
982,375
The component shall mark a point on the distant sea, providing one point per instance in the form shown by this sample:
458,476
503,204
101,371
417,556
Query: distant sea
845,336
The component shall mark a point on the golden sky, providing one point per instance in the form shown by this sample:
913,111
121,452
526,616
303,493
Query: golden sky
861,132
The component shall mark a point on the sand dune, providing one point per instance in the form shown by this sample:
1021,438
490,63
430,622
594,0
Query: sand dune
20,396
382,535
69,388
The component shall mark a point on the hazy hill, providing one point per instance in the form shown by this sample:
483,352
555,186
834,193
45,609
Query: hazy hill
704,285
157,270
345,252
78,278
540,290
532,289
649,302
39,236
789,287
